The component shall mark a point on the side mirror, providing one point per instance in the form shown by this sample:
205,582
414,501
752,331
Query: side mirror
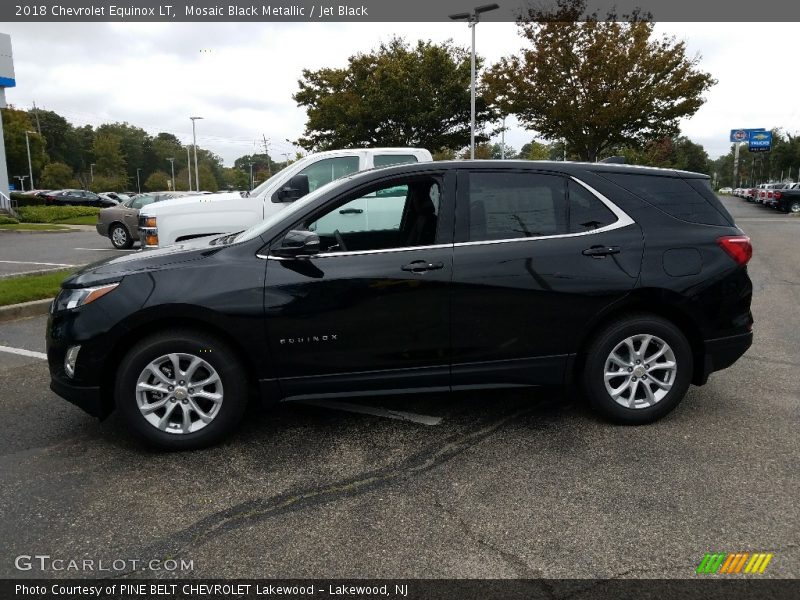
298,243
295,188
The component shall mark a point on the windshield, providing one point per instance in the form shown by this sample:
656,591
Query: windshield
293,208
258,190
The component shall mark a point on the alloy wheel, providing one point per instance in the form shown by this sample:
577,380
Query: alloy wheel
640,371
179,393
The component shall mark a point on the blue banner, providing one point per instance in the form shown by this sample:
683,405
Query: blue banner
760,141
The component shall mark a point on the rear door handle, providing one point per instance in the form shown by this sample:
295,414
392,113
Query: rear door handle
420,266
601,251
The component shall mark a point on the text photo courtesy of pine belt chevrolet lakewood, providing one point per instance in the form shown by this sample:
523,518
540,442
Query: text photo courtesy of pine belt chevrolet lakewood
626,283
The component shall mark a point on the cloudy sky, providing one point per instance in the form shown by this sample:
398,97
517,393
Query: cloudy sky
241,77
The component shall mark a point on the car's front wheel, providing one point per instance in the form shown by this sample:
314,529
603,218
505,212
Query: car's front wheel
181,390
119,236
637,369
794,207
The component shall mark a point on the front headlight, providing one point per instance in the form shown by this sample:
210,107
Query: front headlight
73,298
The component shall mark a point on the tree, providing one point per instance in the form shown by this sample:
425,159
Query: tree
497,152
108,155
56,176
157,182
134,145
535,151
597,83
482,152
15,124
396,95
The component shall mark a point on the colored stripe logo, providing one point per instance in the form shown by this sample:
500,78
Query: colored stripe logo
734,562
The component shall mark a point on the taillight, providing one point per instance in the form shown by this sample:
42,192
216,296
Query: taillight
777,195
738,247
769,194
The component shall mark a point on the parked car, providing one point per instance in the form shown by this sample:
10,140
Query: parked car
76,198
749,194
788,199
727,190
118,197
628,281
215,214
120,223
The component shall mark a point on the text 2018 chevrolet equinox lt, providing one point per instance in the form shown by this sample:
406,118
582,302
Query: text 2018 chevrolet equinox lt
461,275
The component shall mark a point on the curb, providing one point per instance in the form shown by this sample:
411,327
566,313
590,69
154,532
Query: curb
34,308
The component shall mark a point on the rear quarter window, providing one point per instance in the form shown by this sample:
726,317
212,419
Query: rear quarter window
385,160
685,199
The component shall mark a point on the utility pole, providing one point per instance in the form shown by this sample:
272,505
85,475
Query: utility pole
91,171
138,184
172,166
36,115
28,145
250,164
194,140
266,152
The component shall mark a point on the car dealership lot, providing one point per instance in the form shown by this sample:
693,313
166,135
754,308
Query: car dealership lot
506,485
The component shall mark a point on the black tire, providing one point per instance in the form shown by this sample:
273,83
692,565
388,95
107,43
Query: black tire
211,350
794,207
607,340
121,241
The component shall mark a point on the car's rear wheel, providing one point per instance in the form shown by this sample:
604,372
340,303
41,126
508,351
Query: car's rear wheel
181,390
120,237
794,207
637,369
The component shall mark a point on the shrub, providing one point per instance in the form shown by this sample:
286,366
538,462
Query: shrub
54,214
5,220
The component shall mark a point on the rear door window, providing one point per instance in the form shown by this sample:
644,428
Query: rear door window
385,160
509,205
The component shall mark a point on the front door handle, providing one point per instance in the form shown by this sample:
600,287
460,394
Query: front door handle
601,251
420,266
351,211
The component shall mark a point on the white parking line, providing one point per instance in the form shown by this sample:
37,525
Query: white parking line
23,352
27,262
376,412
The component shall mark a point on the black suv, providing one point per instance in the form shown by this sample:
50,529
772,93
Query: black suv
464,275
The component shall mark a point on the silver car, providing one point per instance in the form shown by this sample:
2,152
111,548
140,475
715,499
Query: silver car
120,223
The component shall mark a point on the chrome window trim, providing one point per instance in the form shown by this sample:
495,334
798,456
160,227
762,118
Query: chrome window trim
623,220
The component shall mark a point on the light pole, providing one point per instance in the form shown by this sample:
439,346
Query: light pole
194,141
472,20
172,166
138,185
28,146
22,179
189,167
91,171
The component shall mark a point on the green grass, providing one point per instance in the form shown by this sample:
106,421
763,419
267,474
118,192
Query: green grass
33,227
57,214
87,220
30,287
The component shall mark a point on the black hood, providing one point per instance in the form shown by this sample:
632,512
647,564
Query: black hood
114,269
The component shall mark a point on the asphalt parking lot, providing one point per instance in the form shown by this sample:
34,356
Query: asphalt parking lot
30,252
510,485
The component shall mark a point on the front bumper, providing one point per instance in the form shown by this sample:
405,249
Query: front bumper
87,398
102,229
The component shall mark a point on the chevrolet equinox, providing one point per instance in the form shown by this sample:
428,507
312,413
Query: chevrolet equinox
629,281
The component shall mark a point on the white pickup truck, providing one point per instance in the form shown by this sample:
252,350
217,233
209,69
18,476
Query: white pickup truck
188,217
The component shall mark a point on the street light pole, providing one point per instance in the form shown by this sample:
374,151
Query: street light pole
138,184
28,146
194,141
472,20
22,179
172,166
91,171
